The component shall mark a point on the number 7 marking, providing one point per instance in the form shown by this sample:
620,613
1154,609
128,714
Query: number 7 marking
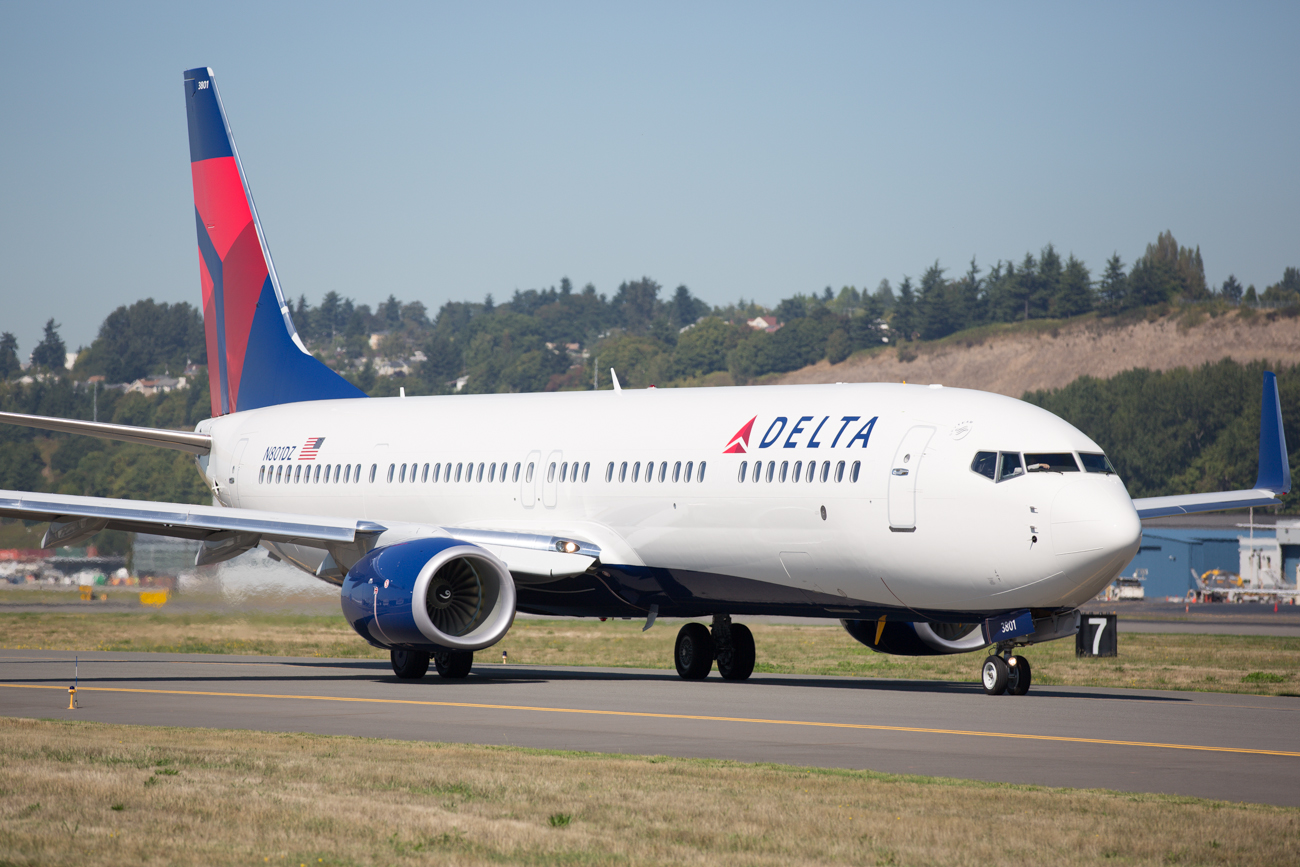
1100,623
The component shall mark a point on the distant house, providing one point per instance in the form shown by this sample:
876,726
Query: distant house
764,323
391,367
152,385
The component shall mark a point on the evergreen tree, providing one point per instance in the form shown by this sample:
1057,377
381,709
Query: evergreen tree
1250,299
904,321
9,363
1231,290
884,294
1074,294
50,353
935,313
1112,290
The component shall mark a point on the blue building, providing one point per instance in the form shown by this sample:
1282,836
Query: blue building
1170,554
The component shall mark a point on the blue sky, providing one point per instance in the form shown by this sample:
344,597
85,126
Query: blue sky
439,151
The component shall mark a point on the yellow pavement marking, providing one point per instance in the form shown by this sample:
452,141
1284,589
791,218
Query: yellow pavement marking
679,716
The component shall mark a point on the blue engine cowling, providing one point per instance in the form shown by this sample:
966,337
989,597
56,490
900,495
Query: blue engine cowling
430,595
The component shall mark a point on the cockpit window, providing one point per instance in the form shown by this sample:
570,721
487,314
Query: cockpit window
1010,467
986,464
1094,463
1051,462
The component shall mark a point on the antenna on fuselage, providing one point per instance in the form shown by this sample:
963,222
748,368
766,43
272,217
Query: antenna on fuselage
614,376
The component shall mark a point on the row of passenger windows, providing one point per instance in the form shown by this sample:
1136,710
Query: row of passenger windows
773,472
283,474
1001,466
680,472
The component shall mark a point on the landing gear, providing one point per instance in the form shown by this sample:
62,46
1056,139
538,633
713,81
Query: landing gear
409,664
1009,675
734,647
693,652
454,664
731,644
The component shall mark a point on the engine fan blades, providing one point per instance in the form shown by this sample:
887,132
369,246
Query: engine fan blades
455,598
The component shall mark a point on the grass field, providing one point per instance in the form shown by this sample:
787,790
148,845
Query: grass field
1258,665
91,794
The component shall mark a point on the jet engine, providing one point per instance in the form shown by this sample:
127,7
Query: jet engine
430,594
917,639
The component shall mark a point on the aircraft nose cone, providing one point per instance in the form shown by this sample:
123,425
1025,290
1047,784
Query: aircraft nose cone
1094,515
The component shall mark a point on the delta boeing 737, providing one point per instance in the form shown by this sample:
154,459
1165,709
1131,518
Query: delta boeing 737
928,520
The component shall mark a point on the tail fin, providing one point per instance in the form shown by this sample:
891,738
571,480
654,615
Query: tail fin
253,348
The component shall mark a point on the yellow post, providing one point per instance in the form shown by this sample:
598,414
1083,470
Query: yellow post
72,698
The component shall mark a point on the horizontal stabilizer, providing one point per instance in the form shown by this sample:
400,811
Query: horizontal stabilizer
182,441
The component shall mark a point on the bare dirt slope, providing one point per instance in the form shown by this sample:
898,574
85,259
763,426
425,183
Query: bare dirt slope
1021,360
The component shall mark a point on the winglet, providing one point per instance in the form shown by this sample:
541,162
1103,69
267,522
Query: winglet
1274,462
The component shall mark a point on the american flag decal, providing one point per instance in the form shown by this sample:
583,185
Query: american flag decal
309,450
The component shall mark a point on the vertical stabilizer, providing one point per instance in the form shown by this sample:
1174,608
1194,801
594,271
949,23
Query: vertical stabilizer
255,357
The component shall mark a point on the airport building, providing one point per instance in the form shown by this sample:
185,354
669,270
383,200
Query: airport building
1269,553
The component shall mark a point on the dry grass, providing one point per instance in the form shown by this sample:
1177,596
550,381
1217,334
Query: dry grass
88,794
1217,663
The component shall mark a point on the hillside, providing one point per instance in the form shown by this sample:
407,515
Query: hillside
1025,357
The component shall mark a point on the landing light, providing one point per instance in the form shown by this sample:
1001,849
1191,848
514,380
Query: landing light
565,546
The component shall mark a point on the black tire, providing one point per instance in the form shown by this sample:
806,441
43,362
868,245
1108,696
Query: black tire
994,675
409,664
1019,676
454,664
738,662
693,652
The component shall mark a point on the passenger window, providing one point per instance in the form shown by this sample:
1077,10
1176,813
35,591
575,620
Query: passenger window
550,472
663,471
1010,466
564,471
785,469
986,464
279,469
492,472
316,480
261,475
771,470
826,470
373,469
609,472
1094,463
297,474
459,468
700,477
677,471
798,465
839,471
744,467
649,471
690,465
401,477
758,471
1051,462
636,471
853,473
515,477
622,472
356,474
424,474
586,470
391,469
347,472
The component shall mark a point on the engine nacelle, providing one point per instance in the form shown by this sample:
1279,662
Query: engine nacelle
917,639
430,594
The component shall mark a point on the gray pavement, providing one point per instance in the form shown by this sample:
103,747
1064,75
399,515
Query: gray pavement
1234,747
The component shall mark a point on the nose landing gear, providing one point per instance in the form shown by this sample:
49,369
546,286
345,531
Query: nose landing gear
731,644
1006,673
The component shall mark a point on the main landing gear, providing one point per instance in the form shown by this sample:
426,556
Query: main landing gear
413,664
731,644
1005,673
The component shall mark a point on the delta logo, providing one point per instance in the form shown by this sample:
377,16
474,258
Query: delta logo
803,433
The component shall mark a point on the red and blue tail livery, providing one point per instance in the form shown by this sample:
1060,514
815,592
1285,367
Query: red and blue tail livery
255,356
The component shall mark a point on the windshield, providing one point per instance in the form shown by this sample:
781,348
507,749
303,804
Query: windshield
1050,462
1094,463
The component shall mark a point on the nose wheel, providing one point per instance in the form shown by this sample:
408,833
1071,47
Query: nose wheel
1002,676
731,644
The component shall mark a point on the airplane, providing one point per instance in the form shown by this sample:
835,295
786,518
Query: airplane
927,520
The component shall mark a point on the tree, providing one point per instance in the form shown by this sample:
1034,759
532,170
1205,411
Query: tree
885,295
702,348
904,321
935,311
1250,299
1112,289
838,346
1074,295
1231,290
637,302
146,338
51,353
9,363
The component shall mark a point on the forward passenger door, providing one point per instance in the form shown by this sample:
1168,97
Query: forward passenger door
902,478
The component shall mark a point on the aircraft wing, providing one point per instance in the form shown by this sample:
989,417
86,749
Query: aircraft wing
1273,481
226,533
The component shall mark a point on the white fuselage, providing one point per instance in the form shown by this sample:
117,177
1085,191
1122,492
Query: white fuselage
939,536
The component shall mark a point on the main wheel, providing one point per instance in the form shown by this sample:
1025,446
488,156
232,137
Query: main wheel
1019,676
454,664
995,674
694,652
737,663
409,664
